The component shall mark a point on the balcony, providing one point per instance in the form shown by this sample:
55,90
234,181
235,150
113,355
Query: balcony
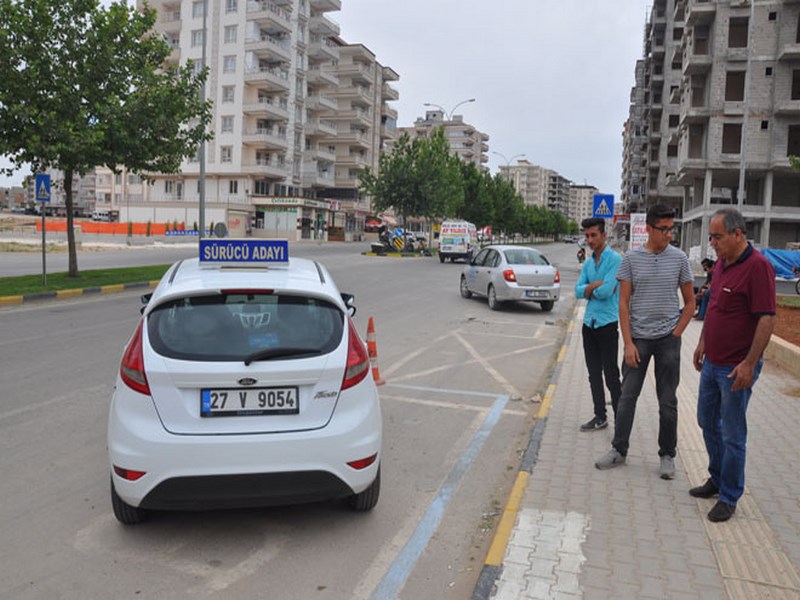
694,64
356,94
363,117
789,52
312,177
266,168
699,12
389,93
321,102
322,49
326,5
389,74
355,160
320,153
321,77
357,72
269,46
269,14
320,128
322,25
270,77
268,107
353,138
786,108
266,137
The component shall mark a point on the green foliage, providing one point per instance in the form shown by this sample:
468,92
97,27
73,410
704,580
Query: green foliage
31,284
82,85
795,162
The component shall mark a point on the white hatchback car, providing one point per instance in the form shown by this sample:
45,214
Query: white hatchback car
503,273
245,384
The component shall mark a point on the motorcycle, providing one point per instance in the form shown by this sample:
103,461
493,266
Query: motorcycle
581,256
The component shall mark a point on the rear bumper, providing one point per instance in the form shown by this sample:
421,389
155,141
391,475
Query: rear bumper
519,293
227,471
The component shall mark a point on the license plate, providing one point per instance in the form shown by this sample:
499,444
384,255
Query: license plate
234,402
535,294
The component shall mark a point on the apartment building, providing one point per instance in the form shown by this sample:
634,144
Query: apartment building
738,119
274,84
466,142
581,202
538,186
634,147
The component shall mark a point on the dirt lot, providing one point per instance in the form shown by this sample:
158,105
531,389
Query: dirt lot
787,324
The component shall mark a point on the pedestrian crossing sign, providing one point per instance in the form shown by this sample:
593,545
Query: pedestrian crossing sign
603,206
42,187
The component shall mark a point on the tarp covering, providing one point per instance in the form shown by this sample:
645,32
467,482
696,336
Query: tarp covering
783,261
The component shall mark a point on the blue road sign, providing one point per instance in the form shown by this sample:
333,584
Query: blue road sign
243,252
603,206
42,187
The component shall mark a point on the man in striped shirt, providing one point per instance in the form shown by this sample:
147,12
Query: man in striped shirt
652,321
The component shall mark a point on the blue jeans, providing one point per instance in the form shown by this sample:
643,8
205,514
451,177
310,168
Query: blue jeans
666,351
704,303
722,415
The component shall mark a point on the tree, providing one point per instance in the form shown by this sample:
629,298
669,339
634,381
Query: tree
83,86
419,178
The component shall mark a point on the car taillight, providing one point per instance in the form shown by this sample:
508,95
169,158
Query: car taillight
357,358
509,275
132,368
557,278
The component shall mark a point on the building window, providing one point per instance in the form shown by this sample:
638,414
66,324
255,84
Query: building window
233,187
796,84
764,124
768,71
674,120
229,64
197,8
773,15
262,187
672,150
734,86
197,38
700,45
231,6
793,147
737,32
226,154
230,34
197,66
731,138
696,141
227,124
228,93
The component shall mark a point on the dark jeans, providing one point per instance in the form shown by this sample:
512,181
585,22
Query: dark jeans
666,352
600,348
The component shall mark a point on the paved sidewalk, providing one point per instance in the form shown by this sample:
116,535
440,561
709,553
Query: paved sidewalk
626,533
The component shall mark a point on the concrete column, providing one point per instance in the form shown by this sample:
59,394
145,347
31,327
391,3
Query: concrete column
706,214
767,201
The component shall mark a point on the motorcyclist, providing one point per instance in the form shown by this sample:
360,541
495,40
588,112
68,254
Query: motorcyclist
581,254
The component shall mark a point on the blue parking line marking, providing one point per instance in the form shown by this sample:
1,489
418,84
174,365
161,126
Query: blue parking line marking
401,567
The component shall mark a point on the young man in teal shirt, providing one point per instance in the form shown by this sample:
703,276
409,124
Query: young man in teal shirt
598,285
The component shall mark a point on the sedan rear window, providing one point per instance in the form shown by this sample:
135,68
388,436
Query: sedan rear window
524,256
245,326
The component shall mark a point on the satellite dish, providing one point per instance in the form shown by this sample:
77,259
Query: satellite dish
220,230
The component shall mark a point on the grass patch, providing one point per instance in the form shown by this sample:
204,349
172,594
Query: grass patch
793,301
31,284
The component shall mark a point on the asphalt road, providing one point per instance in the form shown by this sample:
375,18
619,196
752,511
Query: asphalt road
462,387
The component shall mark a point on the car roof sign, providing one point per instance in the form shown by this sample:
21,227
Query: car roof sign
230,252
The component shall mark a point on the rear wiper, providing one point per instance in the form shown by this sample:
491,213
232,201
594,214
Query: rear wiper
280,353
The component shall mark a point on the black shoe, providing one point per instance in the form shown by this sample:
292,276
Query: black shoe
595,423
721,512
708,490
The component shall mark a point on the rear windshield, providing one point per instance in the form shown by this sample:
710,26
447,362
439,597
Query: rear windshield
233,327
525,256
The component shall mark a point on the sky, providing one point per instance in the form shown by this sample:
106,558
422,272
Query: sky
551,78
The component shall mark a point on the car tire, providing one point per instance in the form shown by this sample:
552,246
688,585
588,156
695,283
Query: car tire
491,296
465,293
441,257
124,512
547,305
367,499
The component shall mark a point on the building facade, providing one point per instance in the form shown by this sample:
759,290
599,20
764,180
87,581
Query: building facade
581,202
538,186
738,117
274,164
466,142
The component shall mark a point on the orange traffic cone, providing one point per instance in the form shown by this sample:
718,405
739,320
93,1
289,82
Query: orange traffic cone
372,350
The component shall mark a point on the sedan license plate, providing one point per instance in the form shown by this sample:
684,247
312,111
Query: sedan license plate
535,294
234,402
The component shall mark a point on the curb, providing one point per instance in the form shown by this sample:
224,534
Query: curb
72,293
493,564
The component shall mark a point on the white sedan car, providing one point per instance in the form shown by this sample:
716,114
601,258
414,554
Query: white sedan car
245,384
505,273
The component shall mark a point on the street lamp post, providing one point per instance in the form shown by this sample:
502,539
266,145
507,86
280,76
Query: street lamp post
201,204
508,161
448,116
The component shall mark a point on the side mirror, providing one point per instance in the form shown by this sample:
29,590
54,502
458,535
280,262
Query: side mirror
348,302
145,298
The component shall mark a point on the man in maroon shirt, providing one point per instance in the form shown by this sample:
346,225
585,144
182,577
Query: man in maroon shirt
737,328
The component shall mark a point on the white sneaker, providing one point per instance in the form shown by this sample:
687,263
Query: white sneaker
610,459
667,467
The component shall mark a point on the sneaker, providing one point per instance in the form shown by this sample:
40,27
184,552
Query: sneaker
667,467
595,423
708,490
721,512
610,459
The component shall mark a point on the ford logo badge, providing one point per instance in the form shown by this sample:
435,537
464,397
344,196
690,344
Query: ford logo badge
247,381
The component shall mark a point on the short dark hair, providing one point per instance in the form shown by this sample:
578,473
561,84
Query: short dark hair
658,212
598,222
707,262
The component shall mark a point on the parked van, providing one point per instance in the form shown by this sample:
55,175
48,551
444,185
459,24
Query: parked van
458,239
106,216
